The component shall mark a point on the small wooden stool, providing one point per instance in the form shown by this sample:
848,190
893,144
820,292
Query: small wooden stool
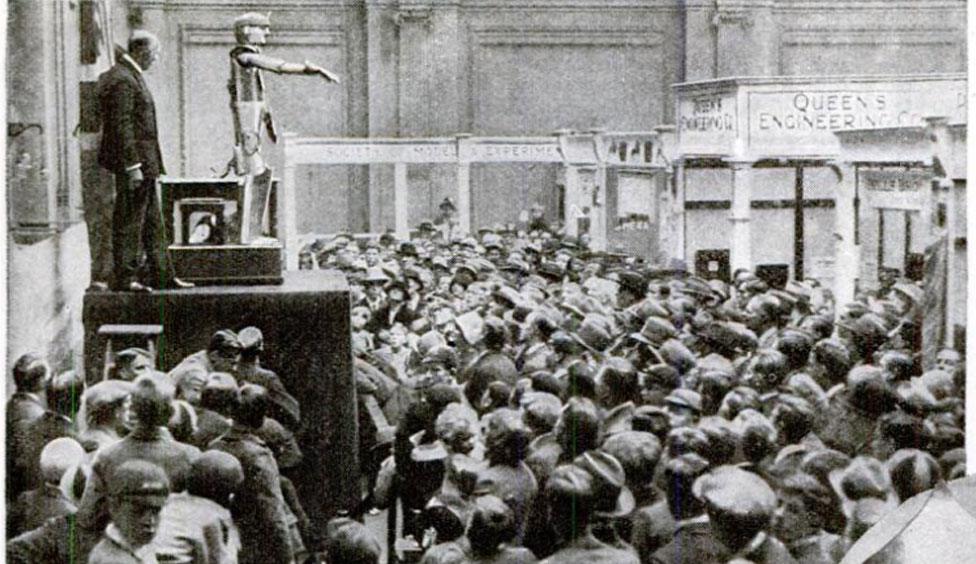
130,335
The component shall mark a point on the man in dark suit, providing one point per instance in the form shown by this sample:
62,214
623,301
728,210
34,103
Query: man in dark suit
24,408
130,149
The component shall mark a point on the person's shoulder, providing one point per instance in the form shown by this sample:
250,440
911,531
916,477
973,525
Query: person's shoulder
108,552
514,555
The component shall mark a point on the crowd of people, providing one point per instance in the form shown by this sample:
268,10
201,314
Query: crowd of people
549,403
522,399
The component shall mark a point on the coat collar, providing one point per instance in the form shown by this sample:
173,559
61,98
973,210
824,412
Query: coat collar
132,63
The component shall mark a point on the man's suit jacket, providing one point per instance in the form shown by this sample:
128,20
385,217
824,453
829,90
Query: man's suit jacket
23,410
34,507
129,134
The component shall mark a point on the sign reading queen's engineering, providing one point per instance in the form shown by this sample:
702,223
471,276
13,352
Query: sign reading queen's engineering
786,117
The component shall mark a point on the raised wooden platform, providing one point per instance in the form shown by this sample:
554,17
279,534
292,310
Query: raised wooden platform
307,341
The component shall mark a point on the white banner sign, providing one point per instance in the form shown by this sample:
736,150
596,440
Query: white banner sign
895,189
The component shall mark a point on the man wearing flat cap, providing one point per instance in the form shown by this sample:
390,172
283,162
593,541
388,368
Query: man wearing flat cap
694,540
223,354
260,510
740,507
151,408
137,494
284,408
131,363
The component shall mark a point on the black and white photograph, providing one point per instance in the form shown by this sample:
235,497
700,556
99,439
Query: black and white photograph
487,281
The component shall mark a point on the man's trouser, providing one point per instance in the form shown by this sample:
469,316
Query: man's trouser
136,233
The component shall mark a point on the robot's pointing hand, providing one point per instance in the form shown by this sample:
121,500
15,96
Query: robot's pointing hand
315,69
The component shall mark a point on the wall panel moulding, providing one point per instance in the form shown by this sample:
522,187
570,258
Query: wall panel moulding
888,5
243,5
870,36
572,5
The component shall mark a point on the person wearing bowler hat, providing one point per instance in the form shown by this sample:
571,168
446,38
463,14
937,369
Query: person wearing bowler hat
396,309
138,492
740,508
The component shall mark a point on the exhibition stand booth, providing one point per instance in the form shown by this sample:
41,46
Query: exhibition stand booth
760,155
904,192
614,185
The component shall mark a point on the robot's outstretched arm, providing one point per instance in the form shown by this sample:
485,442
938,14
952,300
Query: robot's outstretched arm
283,67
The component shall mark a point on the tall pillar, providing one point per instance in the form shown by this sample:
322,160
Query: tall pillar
287,214
846,258
571,200
401,201
948,187
698,49
746,38
381,88
741,247
680,216
464,184
598,231
942,152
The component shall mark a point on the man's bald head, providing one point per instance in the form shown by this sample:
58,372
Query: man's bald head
144,47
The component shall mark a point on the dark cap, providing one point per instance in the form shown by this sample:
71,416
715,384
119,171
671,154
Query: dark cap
734,491
139,478
225,340
215,467
632,282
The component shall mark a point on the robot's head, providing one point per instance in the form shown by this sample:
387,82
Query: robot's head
252,28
